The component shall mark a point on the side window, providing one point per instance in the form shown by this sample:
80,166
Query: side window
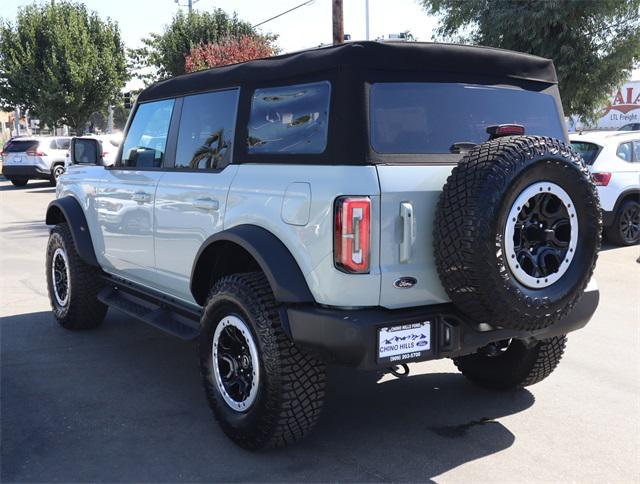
63,143
624,151
636,149
53,145
147,137
290,119
206,130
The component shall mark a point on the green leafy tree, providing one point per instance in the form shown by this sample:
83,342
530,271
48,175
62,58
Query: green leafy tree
594,44
163,55
60,61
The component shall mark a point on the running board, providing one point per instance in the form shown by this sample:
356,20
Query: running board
153,312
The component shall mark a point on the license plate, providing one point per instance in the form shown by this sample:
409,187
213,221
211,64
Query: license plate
404,342
17,159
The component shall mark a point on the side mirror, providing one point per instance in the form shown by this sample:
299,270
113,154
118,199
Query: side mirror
85,151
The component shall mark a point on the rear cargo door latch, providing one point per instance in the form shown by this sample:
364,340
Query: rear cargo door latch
408,231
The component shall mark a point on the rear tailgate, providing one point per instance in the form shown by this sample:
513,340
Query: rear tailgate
413,129
15,153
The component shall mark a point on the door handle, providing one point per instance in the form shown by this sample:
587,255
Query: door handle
408,231
206,203
141,197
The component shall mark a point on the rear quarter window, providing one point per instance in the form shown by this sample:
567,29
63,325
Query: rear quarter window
289,119
588,151
428,118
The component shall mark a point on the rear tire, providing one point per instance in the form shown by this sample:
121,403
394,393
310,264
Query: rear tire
19,182
73,285
277,400
516,366
56,172
626,225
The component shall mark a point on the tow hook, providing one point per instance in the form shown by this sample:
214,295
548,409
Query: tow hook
394,370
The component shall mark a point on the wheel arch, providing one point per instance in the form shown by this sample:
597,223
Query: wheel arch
630,194
247,248
68,210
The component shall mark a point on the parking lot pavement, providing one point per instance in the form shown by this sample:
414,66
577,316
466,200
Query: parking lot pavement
124,403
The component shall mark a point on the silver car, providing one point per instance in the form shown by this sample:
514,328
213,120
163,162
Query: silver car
40,157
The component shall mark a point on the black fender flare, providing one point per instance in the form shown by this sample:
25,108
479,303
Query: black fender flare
280,268
67,209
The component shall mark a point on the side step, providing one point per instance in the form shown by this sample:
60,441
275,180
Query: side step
154,312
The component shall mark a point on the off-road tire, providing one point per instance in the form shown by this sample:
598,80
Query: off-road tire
83,309
292,384
19,182
614,233
471,217
518,366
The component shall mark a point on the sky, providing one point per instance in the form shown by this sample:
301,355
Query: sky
308,26
305,27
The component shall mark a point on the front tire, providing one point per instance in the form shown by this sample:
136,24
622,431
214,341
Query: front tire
626,226
72,284
515,364
264,391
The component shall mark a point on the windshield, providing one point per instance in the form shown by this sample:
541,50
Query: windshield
588,151
430,118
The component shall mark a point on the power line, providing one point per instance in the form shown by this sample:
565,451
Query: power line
308,2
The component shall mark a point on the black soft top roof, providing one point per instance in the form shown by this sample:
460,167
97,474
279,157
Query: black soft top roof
362,57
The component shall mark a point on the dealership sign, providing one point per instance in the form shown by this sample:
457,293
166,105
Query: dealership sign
623,108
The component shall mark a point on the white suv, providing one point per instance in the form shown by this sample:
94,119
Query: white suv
614,161
35,157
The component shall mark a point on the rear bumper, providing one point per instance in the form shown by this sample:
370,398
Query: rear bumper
25,171
350,337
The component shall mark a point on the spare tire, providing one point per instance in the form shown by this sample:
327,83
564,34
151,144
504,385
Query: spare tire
517,232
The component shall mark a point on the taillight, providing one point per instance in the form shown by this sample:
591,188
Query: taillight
352,239
36,153
601,179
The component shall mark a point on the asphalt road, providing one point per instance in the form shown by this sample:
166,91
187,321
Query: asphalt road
124,402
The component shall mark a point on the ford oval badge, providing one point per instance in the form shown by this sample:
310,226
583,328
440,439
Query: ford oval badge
405,282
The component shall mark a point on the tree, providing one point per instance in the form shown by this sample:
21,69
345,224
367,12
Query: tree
163,55
61,62
228,51
594,44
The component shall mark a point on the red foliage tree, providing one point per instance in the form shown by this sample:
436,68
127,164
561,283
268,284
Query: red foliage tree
228,51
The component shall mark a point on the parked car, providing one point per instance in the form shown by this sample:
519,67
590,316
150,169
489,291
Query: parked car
369,204
631,127
613,158
42,157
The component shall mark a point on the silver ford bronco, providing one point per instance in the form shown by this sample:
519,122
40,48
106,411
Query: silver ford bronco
369,204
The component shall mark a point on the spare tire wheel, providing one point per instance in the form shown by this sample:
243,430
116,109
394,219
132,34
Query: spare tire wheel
517,232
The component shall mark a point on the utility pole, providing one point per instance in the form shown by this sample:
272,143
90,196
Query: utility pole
110,120
17,121
366,18
338,22
189,4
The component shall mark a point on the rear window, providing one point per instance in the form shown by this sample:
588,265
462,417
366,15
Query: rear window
428,118
20,146
589,151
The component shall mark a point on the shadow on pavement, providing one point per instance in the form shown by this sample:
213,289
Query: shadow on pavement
124,403
30,185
